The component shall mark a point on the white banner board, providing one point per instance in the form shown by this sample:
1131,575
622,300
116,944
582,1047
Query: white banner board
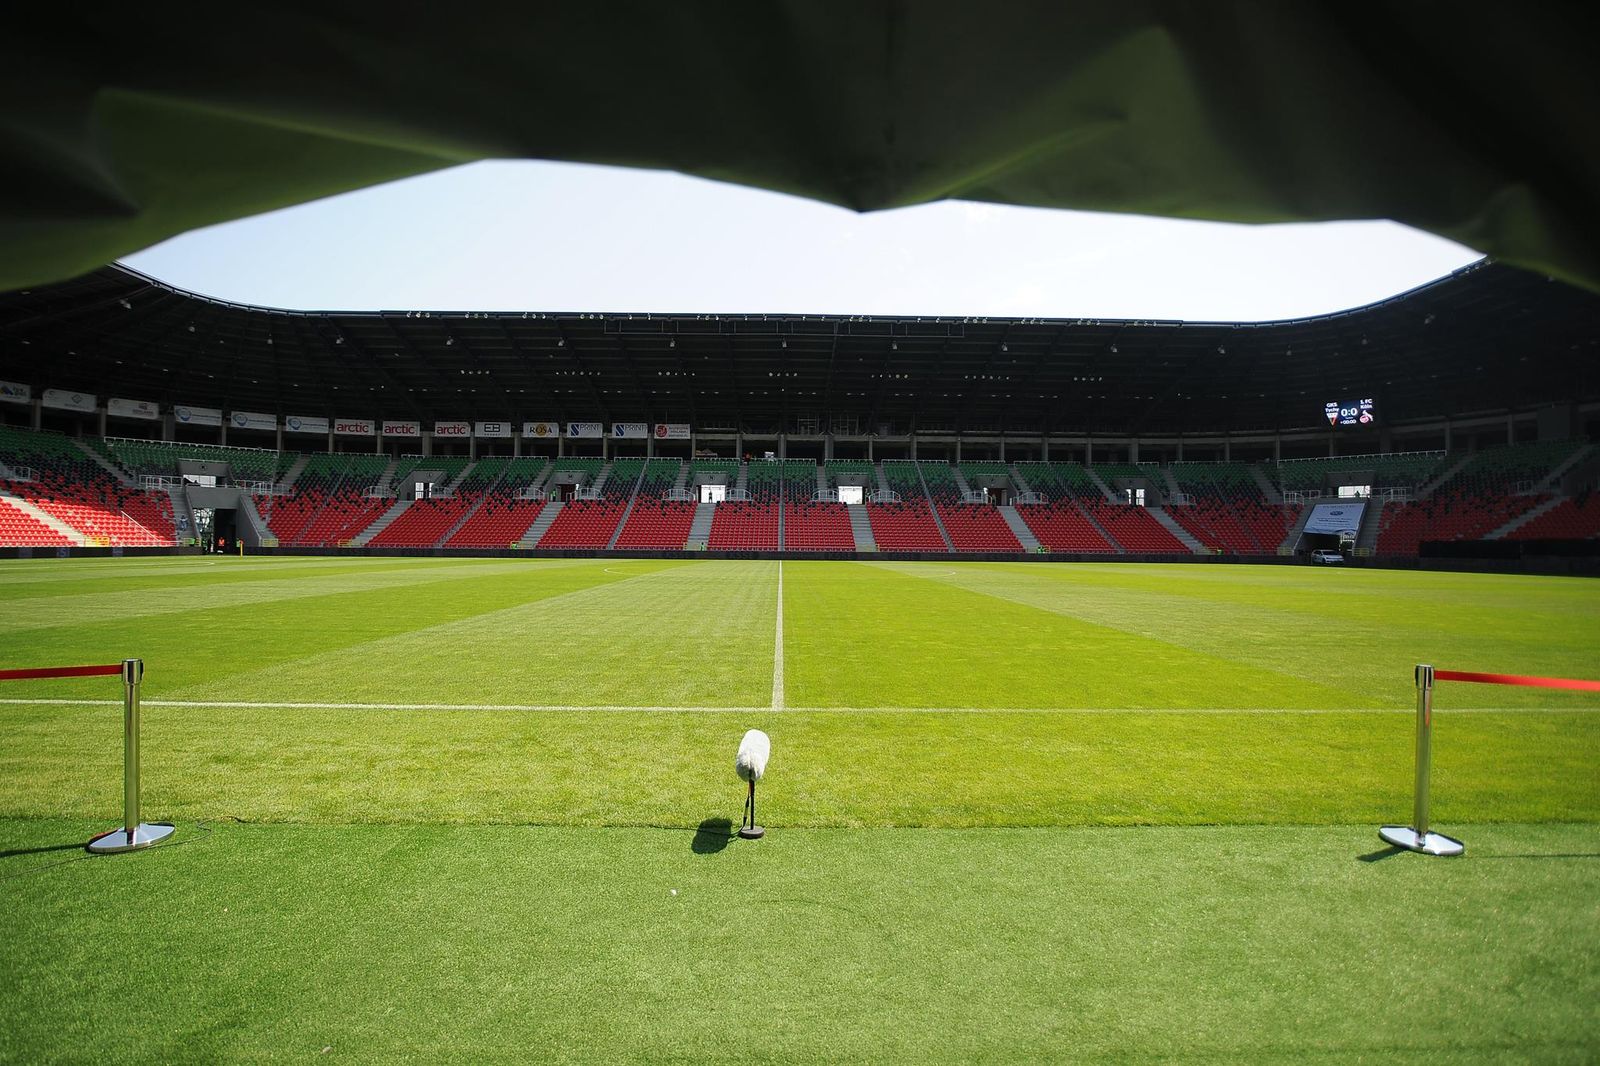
672,431
452,429
541,430
402,429
354,427
586,429
185,415
630,430
1335,517
62,400
16,392
145,409
493,429
253,420
305,424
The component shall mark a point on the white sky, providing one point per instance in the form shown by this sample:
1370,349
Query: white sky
525,236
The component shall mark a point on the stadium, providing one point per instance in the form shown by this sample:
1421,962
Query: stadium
1093,652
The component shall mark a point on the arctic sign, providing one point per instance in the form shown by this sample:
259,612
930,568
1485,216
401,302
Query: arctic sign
402,429
354,427
452,429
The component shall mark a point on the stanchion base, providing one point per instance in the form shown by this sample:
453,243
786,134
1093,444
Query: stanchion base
1403,836
752,832
143,836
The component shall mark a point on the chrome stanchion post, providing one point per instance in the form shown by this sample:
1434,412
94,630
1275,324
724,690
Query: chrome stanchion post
134,834
1417,837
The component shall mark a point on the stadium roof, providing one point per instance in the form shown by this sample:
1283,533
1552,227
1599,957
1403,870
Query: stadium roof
1489,338
1475,122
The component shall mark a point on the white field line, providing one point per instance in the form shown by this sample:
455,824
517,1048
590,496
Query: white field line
777,649
664,708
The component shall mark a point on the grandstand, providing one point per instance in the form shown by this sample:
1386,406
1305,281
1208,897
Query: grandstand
57,493
961,467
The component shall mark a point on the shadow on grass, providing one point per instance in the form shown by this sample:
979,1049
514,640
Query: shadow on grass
36,851
1380,854
712,836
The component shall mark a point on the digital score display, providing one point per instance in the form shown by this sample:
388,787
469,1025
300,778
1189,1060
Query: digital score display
1349,412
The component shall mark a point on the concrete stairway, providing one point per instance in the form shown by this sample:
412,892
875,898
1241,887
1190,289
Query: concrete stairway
1102,486
961,480
1102,530
822,478
183,514
1019,528
861,526
883,482
1371,522
1018,479
700,530
1523,519
45,518
1291,538
386,480
111,468
616,534
362,539
1173,488
949,545
1553,482
1171,525
254,524
295,470
600,478
541,525
680,485
1269,491
1429,488
742,483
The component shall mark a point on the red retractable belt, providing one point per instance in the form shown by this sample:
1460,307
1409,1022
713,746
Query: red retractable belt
60,671
1515,679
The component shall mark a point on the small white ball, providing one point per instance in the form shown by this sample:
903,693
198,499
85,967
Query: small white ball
674,892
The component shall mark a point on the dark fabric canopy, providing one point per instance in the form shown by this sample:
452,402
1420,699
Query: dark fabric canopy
1476,122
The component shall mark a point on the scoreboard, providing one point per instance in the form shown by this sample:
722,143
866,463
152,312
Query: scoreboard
1349,412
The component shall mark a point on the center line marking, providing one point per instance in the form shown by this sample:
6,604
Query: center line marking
777,649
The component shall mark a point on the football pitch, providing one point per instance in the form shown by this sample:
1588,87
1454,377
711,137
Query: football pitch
480,810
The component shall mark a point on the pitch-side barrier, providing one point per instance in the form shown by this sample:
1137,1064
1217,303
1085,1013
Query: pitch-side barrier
1417,836
134,834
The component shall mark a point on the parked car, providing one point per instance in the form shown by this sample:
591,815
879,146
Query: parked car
1325,557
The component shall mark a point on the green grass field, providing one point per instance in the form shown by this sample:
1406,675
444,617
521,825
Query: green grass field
436,809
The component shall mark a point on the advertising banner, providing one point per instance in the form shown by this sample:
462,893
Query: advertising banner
630,430
63,400
672,431
1336,517
493,429
402,429
354,427
541,430
586,429
185,415
452,429
253,420
305,424
146,409
16,392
